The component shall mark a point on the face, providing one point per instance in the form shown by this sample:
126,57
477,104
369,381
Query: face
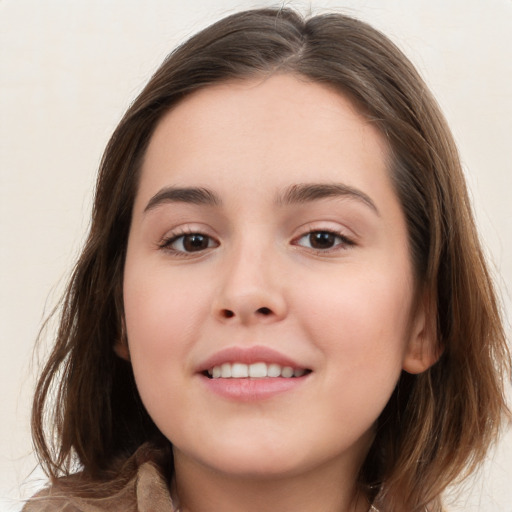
268,287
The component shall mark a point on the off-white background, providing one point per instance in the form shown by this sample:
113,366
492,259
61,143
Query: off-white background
68,70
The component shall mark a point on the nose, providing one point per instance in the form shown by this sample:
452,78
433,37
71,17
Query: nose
250,290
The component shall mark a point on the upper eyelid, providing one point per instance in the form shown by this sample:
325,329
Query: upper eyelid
179,234
346,240
326,225
174,234
188,229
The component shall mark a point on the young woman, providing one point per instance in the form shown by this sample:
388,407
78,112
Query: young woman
282,303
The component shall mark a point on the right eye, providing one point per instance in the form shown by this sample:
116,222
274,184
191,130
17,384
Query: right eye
324,241
189,243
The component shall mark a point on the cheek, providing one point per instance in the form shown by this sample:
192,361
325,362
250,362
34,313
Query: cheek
363,337
361,323
161,323
159,307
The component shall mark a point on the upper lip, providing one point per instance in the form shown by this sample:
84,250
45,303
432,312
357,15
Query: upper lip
248,355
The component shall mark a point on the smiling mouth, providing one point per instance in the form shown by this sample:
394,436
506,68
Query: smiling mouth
255,370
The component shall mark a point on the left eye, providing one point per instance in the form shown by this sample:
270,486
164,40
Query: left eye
192,242
322,240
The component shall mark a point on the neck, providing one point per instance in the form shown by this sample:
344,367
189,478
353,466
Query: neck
329,488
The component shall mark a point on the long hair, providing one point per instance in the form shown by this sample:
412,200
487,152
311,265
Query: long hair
437,425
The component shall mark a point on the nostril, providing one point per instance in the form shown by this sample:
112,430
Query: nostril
262,312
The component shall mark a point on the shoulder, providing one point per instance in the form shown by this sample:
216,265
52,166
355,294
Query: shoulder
70,495
141,486
52,500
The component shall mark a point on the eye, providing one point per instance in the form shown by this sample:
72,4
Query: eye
189,242
323,240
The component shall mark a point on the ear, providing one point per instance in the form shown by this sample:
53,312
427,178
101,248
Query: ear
422,350
121,344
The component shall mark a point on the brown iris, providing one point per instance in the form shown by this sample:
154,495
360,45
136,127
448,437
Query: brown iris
322,239
195,242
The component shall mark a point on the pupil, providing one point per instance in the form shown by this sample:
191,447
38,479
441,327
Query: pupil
195,242
322,240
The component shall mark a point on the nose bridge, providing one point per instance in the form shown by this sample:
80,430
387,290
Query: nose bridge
250,289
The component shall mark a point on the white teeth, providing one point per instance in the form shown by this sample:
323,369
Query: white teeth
258,370
287,372
225,371
239,371
274,370
255,370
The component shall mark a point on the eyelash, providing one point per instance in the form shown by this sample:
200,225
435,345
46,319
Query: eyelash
343,242
167,243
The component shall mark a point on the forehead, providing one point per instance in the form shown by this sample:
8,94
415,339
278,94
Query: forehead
263,132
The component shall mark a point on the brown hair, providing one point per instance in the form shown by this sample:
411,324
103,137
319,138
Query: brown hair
437,425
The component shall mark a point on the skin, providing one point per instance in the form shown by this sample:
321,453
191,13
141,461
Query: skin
343,311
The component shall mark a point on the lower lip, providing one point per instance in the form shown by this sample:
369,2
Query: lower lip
251,389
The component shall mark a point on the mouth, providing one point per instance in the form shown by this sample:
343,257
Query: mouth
249,374
257,370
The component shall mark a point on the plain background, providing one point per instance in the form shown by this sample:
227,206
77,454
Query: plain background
68,70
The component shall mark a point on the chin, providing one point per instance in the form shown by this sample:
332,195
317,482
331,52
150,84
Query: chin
247,466
250,460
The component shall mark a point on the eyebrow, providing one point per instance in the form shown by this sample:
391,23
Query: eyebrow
306,192
295,194
191,195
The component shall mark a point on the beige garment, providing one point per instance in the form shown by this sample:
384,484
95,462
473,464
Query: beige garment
145,491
